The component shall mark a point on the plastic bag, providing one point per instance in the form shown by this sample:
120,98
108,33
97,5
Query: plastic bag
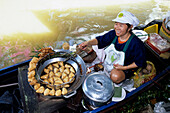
144,75
159,108
127,85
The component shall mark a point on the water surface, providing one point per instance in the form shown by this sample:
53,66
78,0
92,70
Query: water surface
28,26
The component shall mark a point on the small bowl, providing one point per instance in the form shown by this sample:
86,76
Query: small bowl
98,67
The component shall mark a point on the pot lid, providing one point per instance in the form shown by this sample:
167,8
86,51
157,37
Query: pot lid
98,87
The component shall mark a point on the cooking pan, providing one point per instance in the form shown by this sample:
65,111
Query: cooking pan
76,62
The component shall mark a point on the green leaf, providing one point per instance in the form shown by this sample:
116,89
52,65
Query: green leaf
112,58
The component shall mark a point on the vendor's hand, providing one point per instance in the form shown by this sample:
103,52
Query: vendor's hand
119,67
83,45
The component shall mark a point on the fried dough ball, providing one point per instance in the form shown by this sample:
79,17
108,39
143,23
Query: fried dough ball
72,70
46,92
57,80
49,86
40,57
56,65
31,74
57,85
34,60
61,63
58,74
66,79
32,66
67,70
46,50
63,75
37,86
52,92
67,65
42,54
44,76
51,74
46,81
46,71
61,69
58,92
30,79
51,80
34,81
64,91
56,70
66,85
71,75
71,80
50,67
40,90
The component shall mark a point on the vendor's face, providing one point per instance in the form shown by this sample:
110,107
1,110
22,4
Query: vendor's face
120,28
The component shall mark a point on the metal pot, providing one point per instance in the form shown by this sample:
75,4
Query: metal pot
79,66
98,89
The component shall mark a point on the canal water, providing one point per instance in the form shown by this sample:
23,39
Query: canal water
36,24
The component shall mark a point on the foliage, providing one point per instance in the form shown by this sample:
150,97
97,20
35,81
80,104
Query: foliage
160,92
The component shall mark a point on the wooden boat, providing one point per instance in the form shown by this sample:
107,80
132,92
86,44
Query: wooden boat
12,76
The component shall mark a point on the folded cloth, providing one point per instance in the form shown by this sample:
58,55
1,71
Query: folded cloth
117,92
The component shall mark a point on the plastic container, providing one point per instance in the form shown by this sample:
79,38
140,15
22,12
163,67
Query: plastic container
152,29
157,43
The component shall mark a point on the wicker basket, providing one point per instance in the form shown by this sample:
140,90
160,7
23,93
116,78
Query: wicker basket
164,32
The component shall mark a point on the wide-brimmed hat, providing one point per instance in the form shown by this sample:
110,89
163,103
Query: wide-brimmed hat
126,17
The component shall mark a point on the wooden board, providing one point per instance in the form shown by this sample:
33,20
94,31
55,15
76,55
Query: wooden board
32,102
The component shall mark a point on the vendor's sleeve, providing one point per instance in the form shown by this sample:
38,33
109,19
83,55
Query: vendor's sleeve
140,57
105,39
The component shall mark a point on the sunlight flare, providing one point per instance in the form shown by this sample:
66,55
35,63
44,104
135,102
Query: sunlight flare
21,22
16,15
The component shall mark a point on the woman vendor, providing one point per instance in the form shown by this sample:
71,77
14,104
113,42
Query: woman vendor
123,40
